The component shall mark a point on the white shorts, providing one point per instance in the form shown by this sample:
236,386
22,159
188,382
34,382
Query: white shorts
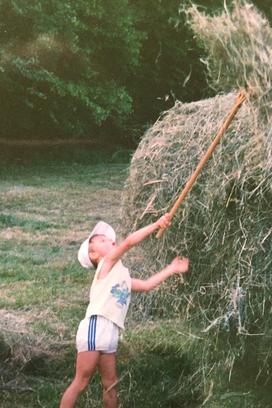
96,333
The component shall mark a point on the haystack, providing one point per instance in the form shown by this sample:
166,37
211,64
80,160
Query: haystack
224,225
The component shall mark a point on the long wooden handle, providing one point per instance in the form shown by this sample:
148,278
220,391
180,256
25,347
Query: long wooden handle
240,99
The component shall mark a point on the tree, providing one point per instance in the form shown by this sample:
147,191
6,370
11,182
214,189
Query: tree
64,64
170,66
91,67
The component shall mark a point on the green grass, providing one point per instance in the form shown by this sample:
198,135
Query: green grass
47,208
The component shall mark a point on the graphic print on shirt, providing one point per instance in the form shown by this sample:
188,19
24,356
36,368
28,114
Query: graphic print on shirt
121,293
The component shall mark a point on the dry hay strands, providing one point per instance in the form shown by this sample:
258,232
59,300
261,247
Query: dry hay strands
172,148
224,225
240,99
238,43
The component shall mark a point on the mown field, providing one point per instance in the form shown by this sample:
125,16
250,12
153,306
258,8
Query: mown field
49,200
47,206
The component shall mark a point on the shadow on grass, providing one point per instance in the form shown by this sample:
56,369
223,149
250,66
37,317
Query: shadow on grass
150,379
42,154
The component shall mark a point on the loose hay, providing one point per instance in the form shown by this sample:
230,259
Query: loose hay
239,49
224,226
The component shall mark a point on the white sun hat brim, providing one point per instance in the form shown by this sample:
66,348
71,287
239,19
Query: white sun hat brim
101,228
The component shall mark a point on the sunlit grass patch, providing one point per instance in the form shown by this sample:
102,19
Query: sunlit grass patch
46,210
7,221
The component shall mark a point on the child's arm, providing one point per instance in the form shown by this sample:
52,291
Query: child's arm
135,238
178,265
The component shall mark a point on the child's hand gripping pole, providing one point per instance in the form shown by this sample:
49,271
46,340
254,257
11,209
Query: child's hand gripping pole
240,99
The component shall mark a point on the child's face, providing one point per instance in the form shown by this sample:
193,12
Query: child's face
100,246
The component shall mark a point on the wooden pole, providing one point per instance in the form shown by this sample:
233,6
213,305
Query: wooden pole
240,99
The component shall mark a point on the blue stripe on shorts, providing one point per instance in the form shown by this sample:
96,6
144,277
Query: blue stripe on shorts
92,333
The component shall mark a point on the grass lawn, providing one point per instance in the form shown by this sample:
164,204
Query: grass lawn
46,210
47,207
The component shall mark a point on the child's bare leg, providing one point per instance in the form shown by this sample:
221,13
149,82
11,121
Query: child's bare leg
85,366
107,369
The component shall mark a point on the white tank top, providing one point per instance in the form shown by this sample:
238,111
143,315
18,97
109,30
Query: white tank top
110,296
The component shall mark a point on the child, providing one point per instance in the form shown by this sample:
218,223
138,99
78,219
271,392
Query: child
97,336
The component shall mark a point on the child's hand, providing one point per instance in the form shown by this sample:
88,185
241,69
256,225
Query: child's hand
179,265
164,221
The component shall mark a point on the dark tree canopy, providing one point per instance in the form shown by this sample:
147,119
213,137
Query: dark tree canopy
95,67
64,65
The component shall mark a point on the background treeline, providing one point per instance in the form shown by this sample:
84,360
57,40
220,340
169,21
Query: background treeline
99,69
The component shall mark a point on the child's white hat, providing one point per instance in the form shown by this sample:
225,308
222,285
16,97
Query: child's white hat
101,228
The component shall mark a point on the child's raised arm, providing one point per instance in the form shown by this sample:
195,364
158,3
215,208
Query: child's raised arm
136,237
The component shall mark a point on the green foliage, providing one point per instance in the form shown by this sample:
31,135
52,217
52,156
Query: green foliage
87,68
63,65
170,60
69,68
